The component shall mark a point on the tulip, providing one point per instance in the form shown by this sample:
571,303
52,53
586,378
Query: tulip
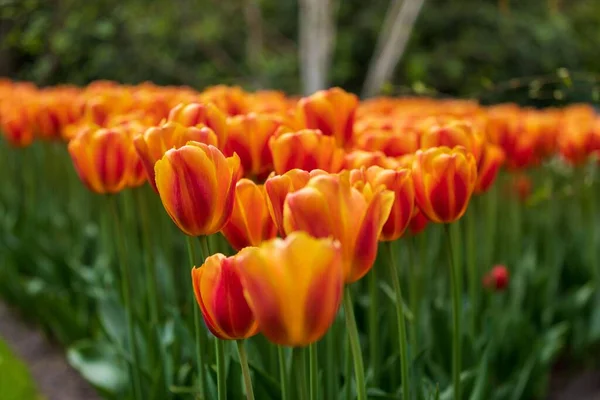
391,143
306,149
15,124
197,114
232,100
155,141
220,296
444,180
488,167
250,221
331,111
360,158
398,181
249,138
329,206
293,286
104,159
277,188
497,278
439,132
196,184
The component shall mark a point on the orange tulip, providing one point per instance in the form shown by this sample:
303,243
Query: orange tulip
437,132
331,111
249,138
392,143
250,221
444,180
400,182
294,287
307,150
359,158
15,124
278,187
329,206
196,114
104,159
154,143
489,165
196,184
220,295
232,100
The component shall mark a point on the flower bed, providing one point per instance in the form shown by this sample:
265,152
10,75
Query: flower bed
227,244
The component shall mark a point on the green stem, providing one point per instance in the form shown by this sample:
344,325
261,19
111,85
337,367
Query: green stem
472,271
221,373
313,364
283,376
348,370
300,372
197,328
125,289
245,369
374,338
330,371
414,291
219,344
359,369
591,219
402,340
456,334
151,283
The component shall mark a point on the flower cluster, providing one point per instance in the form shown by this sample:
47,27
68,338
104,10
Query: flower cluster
329,174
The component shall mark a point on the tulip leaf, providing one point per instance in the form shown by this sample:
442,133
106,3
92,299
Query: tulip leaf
112,318
99,363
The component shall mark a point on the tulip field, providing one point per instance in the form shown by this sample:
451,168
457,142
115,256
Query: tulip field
225,244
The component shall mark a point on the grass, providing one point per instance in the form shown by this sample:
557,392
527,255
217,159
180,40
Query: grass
16,382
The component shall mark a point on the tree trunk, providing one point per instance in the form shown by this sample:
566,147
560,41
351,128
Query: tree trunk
391,43
316,37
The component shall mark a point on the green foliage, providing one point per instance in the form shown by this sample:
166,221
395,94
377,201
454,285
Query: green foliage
459,48
15,380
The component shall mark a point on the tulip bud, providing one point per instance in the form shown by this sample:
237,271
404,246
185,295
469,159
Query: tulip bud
497,279
328,206
307,150
196,114
294,287
489,165
332,112
196,184
358,158
250,221
220,296
104,159
398,181
249,138
444,180
155,141
277,188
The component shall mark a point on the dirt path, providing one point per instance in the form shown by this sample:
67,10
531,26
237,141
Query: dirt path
55,379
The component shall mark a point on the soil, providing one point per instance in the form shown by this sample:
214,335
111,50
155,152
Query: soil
566,384
55,378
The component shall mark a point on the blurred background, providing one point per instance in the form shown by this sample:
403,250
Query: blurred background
467,48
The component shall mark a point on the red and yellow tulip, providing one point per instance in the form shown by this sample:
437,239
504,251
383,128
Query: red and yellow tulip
294,287
196,184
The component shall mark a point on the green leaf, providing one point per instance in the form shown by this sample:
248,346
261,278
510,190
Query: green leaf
112,318
98,362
